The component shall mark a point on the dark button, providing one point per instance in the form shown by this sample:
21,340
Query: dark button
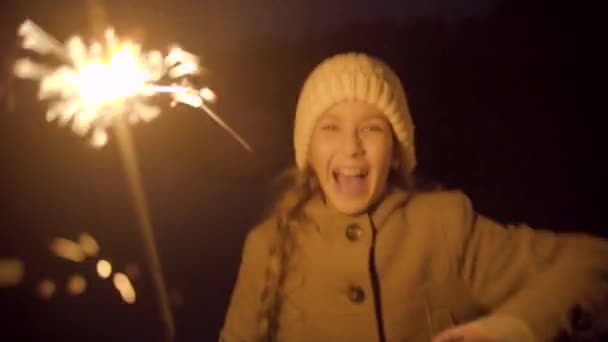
356,294
354,232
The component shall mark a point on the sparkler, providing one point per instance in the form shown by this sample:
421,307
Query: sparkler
107,85
98,83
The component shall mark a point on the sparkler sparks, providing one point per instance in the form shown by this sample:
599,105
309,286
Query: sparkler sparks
99,83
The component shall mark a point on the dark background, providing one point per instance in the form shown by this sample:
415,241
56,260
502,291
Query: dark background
506,95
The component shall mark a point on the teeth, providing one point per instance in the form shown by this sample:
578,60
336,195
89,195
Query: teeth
352,172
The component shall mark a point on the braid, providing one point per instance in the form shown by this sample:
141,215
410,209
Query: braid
288,212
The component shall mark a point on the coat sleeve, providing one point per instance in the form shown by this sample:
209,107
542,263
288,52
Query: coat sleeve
241,322
536,276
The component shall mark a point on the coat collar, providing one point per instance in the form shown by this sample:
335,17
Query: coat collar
325,216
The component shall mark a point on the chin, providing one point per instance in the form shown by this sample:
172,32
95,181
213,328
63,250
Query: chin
350,206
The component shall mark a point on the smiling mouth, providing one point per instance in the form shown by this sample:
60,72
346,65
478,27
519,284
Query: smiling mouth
351,181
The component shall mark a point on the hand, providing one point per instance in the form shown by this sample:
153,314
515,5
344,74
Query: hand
469,332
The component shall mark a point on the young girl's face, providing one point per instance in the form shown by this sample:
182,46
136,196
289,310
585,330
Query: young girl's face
351,152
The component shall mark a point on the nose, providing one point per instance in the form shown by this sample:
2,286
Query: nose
352,145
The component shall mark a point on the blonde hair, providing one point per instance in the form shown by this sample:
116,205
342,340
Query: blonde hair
288,212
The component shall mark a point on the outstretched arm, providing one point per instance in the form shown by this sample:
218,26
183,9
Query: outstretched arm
530,280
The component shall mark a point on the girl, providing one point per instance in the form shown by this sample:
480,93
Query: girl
353,251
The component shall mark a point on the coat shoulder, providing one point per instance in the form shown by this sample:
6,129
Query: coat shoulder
450,211
441,202
262,234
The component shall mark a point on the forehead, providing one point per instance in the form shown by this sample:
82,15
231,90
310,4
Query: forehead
353,110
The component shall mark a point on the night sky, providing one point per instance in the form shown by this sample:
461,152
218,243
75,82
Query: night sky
505,97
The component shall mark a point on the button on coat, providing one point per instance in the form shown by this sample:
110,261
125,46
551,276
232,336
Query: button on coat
354,232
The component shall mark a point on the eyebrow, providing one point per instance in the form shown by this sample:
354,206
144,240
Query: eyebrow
377,116
376,119
331,116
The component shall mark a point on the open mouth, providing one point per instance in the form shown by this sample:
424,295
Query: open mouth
351,180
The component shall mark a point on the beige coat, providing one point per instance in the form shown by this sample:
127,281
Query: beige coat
437,264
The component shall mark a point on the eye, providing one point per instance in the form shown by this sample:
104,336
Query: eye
330,127
376,128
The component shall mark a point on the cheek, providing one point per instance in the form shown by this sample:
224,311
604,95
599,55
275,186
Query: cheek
319,153
381,154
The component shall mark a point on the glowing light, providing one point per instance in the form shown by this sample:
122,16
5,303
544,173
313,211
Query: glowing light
115,80
104,269
67,249
208,95
46,289
101,82
88,245
77,284
99,138
124,287
11,272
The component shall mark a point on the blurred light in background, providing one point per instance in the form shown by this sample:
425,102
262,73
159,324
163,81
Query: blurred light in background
76,285
88,245
11,272
67,249
46,289
104,269
124,287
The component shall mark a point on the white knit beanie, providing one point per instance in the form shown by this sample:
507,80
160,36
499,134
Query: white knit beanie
354,77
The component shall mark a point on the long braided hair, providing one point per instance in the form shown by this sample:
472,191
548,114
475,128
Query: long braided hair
302,185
